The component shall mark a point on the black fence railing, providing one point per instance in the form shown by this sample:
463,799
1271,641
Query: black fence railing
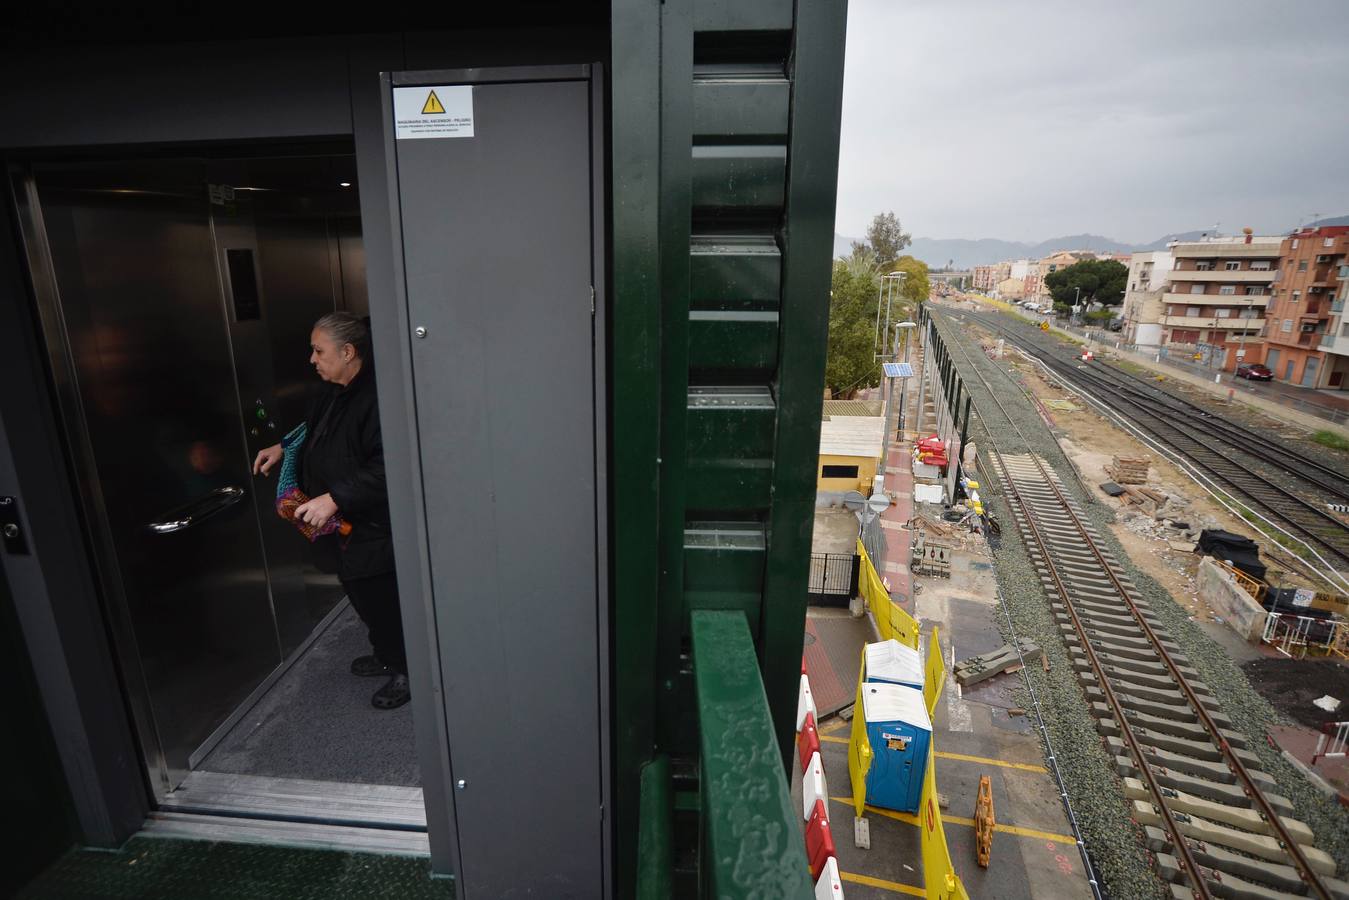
833,578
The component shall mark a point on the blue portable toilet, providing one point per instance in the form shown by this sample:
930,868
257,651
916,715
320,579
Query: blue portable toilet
899,732
894,663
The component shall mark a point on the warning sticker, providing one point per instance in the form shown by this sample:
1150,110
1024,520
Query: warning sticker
442,111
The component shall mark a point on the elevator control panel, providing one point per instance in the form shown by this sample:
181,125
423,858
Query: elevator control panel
263,419
11,529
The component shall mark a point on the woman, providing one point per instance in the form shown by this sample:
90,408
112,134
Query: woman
342,470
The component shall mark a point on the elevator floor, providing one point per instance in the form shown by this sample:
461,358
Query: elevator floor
317,723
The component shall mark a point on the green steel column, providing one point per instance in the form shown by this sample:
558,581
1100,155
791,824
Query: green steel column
634,396
676,129
808,235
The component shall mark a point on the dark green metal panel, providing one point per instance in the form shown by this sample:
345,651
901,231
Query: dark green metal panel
817,90
743,15
735,272
740,106
732,177
733,341
751,843
634,384
730,447
724,565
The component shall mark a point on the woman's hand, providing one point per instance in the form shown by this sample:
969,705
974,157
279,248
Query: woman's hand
318,511
267,457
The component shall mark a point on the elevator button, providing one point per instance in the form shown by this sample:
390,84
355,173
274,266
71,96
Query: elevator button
261,414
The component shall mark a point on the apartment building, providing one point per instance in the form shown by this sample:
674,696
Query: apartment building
1215,300
1143,307
986,278
1308,336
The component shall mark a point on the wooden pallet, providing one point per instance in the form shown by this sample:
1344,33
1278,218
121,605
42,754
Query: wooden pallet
1128,469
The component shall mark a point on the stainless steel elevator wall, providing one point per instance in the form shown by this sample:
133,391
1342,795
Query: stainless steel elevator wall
178,297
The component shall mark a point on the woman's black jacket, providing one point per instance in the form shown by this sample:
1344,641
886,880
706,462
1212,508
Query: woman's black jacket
344,456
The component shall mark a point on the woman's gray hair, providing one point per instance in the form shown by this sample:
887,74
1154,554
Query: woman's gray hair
344,328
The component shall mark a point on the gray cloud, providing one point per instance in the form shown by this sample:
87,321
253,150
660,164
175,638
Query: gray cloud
1025,121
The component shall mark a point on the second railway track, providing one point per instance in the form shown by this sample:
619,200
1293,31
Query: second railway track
1231,457
1215,821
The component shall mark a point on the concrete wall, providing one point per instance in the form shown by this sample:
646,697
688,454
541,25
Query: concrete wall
1238,609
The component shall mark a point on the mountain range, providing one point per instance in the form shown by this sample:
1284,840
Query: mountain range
962,253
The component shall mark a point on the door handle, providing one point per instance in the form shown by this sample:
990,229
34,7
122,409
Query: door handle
197,511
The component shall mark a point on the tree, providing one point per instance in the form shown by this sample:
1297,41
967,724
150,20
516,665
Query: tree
852,322
855,291
884,238
1100,280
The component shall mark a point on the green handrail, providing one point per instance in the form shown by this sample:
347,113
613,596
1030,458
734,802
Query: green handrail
751,835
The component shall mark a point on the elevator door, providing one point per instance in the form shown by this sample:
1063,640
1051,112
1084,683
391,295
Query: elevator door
163,286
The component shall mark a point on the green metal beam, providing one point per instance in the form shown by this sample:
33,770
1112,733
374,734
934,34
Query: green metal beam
752,843
634,395
808,238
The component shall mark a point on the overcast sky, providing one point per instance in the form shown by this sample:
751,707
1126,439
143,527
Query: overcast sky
1026,121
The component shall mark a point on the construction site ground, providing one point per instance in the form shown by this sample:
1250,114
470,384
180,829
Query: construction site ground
976,732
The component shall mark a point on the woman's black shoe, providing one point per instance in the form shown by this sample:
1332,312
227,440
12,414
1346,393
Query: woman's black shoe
369,665
395,693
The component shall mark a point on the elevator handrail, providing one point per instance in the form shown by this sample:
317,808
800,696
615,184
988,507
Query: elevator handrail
197,511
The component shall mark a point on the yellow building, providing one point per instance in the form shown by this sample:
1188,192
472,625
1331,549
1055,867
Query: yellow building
850,454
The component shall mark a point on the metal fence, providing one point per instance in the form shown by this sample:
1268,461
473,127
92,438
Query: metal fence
873,538
833,578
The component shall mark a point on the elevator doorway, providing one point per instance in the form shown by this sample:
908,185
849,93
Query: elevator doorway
176,297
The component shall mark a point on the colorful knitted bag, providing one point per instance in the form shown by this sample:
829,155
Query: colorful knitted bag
289,497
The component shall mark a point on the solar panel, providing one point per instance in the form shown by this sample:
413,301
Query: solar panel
897,370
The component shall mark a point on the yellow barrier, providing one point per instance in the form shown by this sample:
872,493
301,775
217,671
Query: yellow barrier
891,620
934,674
859,748
939,875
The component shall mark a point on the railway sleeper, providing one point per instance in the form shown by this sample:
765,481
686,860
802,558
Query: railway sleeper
1276,875
1148,653
1125,640
1179,762
1179,711
1161,725
1130,675
1116,614
1113,605
1263,846
1124,626
1202,787
1220,884
1245,819
1205,751
1155,667
1147,692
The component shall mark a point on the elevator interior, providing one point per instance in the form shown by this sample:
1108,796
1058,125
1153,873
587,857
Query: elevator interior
176,295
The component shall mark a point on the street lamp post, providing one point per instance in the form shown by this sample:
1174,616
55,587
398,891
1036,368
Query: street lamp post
907,328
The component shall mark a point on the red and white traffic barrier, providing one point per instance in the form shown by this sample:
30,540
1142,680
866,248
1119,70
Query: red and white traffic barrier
815,797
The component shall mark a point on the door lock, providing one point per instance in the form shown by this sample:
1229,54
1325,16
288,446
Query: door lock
11,530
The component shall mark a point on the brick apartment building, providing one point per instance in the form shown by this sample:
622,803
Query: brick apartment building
1308,338
1216,299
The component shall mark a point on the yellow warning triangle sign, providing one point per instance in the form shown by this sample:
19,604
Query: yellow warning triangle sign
432,104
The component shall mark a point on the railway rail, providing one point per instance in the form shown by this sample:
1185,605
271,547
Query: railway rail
1225,452
1212,816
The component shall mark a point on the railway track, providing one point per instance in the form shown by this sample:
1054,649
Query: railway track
1230,456
1212,817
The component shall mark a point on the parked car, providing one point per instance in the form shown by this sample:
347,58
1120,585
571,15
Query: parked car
1116,325
1254,372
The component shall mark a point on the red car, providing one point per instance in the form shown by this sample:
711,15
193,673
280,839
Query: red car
1254,372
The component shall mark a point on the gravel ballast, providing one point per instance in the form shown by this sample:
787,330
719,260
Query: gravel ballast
1113,841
